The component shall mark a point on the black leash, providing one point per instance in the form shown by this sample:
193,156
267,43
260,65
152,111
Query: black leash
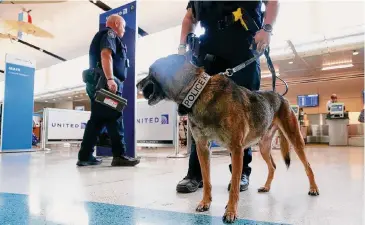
229,72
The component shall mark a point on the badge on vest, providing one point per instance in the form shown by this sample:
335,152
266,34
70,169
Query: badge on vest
196,90
111,34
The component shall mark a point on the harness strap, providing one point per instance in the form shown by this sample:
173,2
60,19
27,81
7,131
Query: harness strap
196,90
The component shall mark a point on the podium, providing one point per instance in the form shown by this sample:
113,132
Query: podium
338,131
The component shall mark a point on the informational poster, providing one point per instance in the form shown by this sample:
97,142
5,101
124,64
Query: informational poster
156,125
17,110
65,125
129,13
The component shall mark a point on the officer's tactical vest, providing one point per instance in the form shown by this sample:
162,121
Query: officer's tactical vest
209,12
97,40
95,60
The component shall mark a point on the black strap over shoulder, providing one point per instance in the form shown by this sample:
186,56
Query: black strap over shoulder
196,7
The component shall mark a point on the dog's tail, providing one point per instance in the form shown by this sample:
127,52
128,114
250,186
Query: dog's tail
285,148
285,120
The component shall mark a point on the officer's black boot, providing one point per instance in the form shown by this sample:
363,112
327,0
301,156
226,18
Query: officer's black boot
85,157
92,161
189,184
244,181
193,180
125,161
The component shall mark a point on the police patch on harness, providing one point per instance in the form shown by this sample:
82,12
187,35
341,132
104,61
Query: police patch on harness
196,90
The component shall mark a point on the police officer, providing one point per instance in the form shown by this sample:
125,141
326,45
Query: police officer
225,44
108,53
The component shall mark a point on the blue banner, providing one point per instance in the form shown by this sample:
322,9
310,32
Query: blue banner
17,112
128,12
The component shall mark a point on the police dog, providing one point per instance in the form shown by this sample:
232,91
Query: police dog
232,115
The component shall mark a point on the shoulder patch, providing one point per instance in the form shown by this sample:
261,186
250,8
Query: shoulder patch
111,34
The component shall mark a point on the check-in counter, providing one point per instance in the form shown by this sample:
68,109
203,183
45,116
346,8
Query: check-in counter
318,134
338,131
356,135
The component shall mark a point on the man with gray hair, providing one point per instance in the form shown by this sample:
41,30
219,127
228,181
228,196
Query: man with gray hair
108,55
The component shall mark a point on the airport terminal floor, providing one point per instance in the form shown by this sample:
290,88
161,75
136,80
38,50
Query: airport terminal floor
46,187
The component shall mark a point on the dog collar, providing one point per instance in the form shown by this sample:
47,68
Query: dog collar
196,90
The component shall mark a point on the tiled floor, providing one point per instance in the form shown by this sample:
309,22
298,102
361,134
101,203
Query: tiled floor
47,188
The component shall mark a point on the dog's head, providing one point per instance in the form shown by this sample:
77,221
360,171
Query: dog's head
167,79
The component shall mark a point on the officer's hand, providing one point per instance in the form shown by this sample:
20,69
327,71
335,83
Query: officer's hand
262,39
112,86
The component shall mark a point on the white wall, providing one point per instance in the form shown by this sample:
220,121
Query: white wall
354,117
64,105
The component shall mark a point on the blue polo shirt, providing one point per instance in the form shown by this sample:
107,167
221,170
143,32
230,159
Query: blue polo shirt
107,38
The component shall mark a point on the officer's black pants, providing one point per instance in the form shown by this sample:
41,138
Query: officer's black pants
248,77
103,116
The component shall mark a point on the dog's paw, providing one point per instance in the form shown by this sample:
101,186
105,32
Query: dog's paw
229,217
203,206
263,189
313,191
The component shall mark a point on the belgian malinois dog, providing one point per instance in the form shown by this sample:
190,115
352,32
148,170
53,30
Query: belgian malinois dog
232,115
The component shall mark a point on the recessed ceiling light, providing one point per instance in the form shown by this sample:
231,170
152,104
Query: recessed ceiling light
291,62
355,52
69,97
45,101
54,99
341,66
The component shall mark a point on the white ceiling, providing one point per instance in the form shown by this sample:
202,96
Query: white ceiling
73,23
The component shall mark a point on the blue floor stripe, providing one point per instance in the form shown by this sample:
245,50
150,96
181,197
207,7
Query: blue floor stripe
16,209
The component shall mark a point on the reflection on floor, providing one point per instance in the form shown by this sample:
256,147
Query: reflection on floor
16,209
47,188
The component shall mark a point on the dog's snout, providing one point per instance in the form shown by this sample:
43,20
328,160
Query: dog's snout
141,83
148,90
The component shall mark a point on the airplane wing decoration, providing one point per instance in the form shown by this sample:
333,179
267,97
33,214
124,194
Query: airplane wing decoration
17,2
24,23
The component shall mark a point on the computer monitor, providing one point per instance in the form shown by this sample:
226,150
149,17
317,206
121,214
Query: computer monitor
308,100
337,109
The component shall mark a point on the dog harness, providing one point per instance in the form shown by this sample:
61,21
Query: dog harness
193,94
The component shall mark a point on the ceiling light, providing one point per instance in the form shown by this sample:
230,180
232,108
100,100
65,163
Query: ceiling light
265,75
76,96
355,52
54,99
45,101
291,62
69,97
341,66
